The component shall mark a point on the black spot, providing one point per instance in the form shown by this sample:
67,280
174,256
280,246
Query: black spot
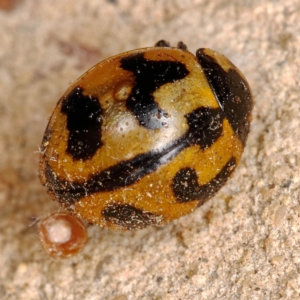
149,76
185,185
186,188
128,216
231,91
205,127
83,123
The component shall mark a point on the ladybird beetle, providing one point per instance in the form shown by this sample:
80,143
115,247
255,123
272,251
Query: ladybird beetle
146,136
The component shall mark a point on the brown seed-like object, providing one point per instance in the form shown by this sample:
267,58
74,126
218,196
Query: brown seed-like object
62,235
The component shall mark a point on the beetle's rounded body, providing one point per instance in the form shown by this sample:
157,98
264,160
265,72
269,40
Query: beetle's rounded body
146,136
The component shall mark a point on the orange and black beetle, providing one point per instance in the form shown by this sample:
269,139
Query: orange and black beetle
146,136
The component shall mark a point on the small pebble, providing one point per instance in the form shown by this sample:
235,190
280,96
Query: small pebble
280,215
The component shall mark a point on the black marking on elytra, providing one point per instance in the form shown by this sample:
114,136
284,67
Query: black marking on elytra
128,216
205,127
149,76
231,91
162,43
186,188
83,123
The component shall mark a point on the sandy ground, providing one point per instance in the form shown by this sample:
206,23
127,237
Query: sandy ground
242,244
